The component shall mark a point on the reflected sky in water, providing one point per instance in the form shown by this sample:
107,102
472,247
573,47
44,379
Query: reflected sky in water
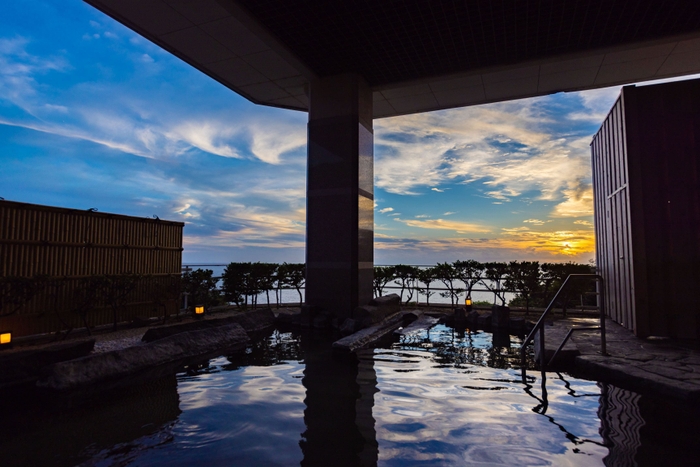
480,415
435,401
250,416
448,398
439,398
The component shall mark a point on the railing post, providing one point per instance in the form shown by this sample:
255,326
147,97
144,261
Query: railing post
542,356
601,306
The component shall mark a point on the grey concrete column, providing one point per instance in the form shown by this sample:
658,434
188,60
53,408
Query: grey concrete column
340,199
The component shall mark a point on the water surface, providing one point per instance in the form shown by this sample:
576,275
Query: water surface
435,398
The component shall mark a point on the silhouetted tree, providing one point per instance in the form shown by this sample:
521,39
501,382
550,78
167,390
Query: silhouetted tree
526,278
494,276
235,278
554,275
469,272
405,277
447,274
382,276
426,276
115,290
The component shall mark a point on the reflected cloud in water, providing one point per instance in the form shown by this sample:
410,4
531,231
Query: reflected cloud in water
444,397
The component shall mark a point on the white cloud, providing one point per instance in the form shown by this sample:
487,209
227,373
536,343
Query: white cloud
208,136
534,221
596,103
111,114
56,108
385,210
18,69
271,141
441,224
578,203
512,148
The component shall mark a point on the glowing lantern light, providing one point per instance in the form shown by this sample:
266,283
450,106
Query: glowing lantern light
199,310
5,338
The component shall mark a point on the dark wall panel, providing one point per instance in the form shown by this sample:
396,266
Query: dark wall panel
646,163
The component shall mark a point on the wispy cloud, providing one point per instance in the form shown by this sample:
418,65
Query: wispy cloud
511,148
18,71
441,224
106,116
148,125
578,202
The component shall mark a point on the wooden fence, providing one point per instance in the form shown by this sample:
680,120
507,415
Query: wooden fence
68,246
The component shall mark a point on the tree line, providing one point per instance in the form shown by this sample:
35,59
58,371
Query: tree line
243,283
533,283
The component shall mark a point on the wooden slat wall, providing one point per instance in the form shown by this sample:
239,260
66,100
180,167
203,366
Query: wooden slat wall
72,244
63,242
612,217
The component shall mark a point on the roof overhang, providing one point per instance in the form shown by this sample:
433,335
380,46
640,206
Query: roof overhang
246,52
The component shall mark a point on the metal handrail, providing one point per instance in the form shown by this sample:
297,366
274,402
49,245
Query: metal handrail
539,326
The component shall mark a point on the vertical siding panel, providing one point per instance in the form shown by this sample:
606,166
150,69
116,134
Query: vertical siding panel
615,208
608,215
624,220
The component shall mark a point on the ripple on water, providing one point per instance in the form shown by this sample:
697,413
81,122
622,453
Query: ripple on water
444,415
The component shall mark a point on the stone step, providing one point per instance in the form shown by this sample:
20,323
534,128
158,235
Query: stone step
365,337
424,322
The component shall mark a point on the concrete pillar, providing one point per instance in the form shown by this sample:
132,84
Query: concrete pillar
340,195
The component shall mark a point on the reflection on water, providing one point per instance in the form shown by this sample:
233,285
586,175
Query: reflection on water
451,399
443,397
338,416
38,431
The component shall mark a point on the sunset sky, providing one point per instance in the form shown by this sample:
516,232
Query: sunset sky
94,116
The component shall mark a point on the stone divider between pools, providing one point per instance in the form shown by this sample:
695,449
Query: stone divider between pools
117,364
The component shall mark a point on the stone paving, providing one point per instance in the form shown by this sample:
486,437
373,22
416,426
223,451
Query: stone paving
656,366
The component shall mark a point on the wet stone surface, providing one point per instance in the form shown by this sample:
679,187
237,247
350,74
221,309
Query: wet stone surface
660,366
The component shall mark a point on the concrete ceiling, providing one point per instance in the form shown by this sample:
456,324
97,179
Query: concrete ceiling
421,55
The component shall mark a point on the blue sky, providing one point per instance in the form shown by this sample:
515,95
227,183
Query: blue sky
93,115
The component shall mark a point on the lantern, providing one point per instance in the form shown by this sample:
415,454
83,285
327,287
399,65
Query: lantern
5,339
